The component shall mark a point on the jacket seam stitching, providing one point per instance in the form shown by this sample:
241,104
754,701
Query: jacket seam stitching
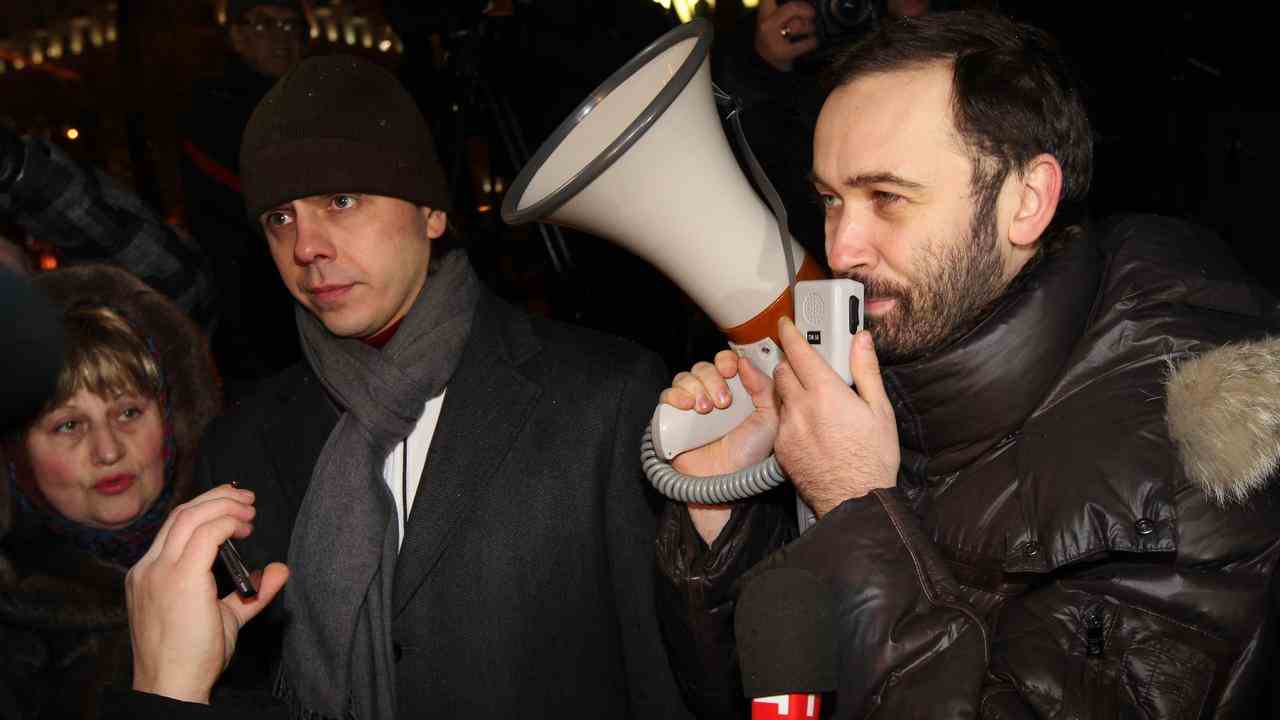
1166,618
928,591
933,600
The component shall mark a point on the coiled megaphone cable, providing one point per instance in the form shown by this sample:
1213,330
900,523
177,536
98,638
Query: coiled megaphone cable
766,474
714,490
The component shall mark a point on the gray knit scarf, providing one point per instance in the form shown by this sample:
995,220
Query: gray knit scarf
338,660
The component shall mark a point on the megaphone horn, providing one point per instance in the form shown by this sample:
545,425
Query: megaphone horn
644,162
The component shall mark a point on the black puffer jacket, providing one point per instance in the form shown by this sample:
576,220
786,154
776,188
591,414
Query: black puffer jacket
1083,525
64,631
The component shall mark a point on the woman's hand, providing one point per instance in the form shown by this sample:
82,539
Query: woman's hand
183,633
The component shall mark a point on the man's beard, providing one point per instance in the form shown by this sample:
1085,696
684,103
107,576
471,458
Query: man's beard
954,290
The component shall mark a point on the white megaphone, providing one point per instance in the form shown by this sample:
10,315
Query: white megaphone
644,162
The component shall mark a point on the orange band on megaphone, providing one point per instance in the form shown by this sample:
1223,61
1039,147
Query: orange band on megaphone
765,323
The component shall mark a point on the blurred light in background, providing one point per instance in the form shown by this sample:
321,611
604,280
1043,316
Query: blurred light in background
684,8
336,23
76,41
49,45
73,134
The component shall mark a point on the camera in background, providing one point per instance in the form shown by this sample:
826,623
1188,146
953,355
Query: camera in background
839,22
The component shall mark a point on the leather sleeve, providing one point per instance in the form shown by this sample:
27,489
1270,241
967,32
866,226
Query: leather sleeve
695,595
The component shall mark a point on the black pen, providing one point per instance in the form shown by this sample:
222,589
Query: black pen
236,568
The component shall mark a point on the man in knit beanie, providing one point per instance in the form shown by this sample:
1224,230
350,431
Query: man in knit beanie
466,531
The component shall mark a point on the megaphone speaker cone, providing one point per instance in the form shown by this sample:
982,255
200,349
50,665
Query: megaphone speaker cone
644,162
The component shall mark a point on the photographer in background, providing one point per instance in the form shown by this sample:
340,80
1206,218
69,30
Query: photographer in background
255,333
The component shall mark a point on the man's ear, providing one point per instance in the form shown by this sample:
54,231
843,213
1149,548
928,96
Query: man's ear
1038,190
437,222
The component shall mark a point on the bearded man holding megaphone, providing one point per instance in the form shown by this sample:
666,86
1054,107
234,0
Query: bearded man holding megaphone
1050,490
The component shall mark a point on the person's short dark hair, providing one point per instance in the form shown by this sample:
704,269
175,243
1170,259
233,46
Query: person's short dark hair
1014,95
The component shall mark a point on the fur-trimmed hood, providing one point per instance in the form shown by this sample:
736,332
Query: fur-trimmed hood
1223,413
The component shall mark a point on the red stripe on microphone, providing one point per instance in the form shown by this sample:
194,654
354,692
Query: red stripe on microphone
796,706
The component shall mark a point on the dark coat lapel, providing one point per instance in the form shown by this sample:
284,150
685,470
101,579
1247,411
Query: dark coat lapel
487,403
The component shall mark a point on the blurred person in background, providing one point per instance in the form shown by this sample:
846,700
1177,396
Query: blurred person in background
255,336
88,482
12,253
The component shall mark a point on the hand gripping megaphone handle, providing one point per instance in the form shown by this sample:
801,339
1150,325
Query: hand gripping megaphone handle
676,430
673,431
828,314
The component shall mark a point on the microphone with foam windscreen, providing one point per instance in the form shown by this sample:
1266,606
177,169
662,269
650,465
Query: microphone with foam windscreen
786,634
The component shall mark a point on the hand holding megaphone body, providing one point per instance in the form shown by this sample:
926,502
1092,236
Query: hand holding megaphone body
835,443
644,162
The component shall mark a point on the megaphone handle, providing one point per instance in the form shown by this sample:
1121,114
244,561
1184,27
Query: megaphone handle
675,430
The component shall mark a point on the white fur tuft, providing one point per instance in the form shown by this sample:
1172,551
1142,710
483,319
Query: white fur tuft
1224,415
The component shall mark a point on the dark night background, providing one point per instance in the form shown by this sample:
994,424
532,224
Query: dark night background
1181,96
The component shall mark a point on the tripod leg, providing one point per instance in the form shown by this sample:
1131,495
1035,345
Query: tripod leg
518,155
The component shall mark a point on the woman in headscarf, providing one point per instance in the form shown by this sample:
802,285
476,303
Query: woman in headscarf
88,483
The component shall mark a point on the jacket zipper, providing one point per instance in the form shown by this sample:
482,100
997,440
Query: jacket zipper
1094,620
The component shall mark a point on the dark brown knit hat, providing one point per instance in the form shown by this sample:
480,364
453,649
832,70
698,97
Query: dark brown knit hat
337,123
